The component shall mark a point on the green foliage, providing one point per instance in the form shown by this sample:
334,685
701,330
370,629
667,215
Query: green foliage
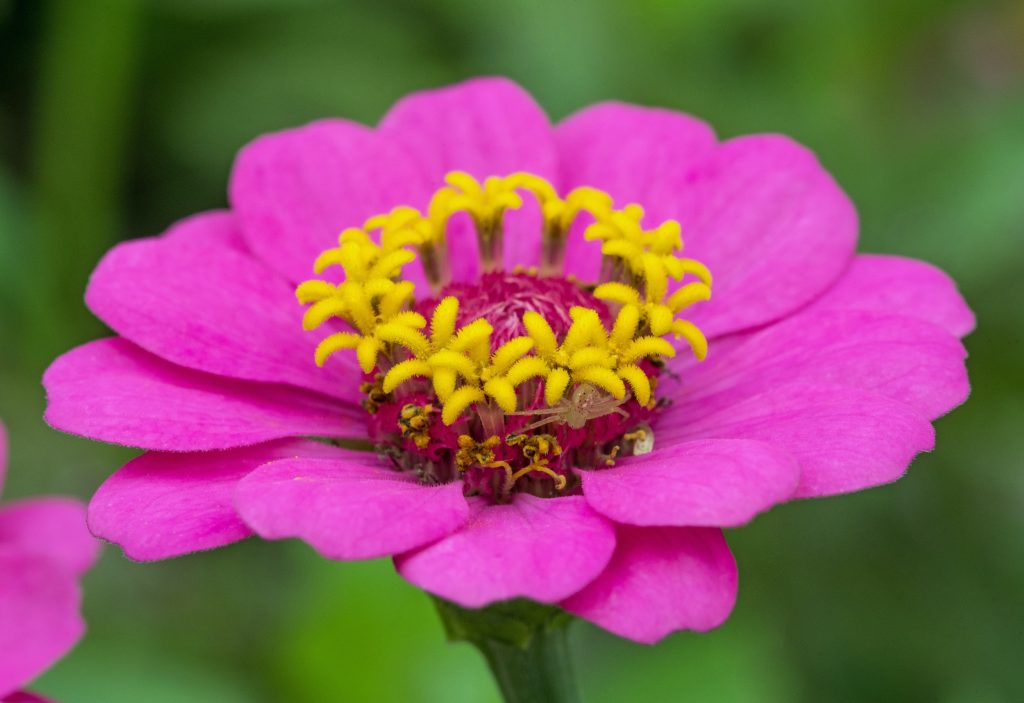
117,118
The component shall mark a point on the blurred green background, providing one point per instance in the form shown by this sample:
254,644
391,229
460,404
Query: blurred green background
118,117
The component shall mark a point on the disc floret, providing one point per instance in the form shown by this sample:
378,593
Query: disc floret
538,405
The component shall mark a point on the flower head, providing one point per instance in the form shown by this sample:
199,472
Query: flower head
517,375
44,549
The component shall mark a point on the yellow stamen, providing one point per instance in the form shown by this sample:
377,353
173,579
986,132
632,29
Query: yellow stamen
536,449
404,371
473,453
459,401
414,423
459,362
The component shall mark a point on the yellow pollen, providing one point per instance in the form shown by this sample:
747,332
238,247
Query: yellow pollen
375,395
587,372
473,453
414,423
535,449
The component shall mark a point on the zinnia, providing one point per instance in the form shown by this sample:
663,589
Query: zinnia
516,337
44,550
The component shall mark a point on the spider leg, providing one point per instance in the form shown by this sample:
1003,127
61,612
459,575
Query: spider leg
535,425
539,411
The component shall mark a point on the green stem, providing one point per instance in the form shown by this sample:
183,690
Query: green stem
525,644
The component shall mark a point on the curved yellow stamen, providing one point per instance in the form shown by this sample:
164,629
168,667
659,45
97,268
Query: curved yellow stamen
503,392
696,339
453,360
603,378
404,371
336,342
366,353
638,381
540,332
442,323
509,353
526,368
459,401
688,295
555,386
459,362
648,347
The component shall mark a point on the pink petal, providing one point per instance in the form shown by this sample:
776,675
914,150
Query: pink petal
193,301
53,528
113,391
296,190
486,127
39,616
163,505
216,230
661,579
348,508
772,225
844,438
713,483
899,286
760,211
637,154
902,358
544,549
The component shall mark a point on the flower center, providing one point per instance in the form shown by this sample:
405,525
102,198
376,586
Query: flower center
522,378
503,298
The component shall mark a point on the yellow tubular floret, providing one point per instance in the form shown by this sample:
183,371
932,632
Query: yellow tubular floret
321,311
540,332
442,322
454,361
696,339
408,318
509,353
697,269
586,327
391,264
314,291
526,368
659,319
666,238
459,363
366,353
358,308
638,381
471,335
617,293
379,288
555,386
688,295
590,356
458,402
604,379
648,347
444,383
503,392
405,370
336,342
403,336
655,277
331,257
626,324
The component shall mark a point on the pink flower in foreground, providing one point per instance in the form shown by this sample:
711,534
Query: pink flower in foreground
824,368
44,550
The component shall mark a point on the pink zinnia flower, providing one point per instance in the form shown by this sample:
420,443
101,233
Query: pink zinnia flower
44,550
588,464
